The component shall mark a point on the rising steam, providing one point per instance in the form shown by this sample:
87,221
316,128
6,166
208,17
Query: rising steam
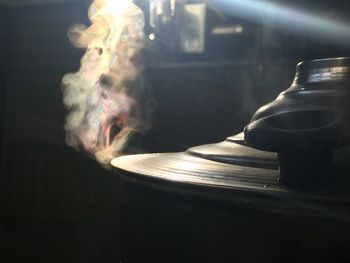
101,97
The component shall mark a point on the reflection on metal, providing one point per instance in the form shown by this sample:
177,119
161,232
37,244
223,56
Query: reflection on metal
188,169
218,64
234,152
172,7
325,74
160,12
227,30
192,28
306,122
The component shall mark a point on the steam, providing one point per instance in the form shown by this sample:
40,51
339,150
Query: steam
101,97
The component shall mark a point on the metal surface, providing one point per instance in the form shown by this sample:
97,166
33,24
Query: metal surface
219,64
313,115
219,202
233,151
182,207
187,169
306,122
223,168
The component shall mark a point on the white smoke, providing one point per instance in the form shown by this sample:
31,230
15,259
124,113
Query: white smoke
101,97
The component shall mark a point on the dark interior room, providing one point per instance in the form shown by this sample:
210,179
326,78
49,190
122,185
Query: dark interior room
174,131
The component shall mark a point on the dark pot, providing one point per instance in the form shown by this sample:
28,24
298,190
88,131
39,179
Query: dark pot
224,202
306,122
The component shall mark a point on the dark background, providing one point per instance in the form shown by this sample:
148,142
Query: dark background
57,204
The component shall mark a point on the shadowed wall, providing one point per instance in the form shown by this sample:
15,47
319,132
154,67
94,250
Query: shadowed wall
57,205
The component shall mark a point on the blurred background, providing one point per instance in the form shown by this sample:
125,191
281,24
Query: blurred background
208,66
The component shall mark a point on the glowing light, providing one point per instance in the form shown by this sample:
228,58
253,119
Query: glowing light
187,166
289,18
227,30
152,36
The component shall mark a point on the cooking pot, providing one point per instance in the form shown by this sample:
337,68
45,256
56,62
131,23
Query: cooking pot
243,200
